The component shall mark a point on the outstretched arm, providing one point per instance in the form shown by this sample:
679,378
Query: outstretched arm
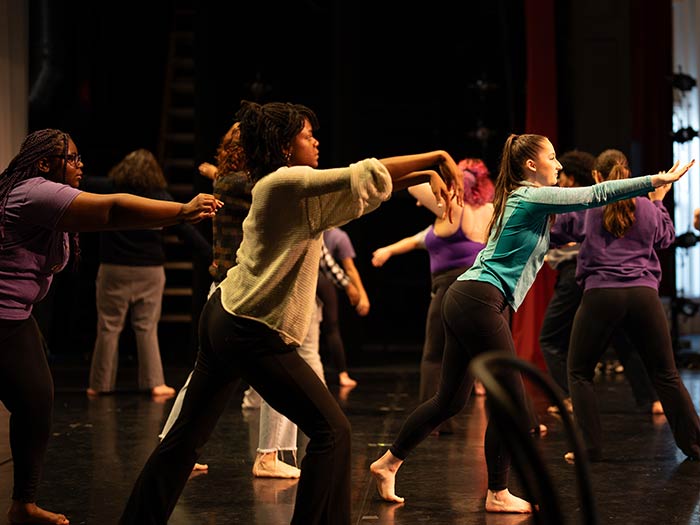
405,245
123,211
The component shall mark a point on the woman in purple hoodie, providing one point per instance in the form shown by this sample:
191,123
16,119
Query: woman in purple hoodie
620,272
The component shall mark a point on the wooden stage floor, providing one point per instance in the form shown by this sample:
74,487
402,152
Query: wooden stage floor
98,447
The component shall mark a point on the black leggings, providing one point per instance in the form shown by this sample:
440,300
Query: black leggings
639,312
26,390
434,344
474,320
232,348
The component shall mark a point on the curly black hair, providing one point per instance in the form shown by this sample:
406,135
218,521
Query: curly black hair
267,130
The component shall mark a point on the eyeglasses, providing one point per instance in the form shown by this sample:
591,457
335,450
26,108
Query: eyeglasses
72,158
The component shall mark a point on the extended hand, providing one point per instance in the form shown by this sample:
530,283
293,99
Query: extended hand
672,175
203,206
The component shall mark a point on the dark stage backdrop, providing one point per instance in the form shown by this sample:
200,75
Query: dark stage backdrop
448,75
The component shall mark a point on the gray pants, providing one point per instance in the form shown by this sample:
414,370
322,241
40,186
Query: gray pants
118,290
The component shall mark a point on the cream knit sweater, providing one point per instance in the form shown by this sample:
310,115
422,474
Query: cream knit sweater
274,279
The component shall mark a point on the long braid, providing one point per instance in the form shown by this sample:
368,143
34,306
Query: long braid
25,165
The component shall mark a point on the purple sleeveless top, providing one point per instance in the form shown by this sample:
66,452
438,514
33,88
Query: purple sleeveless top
450,252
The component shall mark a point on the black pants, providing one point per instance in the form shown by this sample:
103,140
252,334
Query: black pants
434,344
556,333
26,390
232,348
330,325
474,320
639,312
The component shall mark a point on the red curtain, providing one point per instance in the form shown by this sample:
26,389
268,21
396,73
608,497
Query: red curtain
540,118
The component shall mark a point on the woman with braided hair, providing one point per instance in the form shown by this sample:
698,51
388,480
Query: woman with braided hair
260,313
41,208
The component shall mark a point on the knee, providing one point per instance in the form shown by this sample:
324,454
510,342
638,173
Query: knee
342,432
450,407
336,434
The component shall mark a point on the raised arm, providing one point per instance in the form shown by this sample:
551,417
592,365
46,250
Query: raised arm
123,211
423,193
402,167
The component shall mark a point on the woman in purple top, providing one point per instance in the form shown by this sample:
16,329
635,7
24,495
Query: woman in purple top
341,250
452,247
620,273
39,205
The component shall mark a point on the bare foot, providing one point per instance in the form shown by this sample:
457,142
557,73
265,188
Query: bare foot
504,501
384,472
162,390
656,408
541,430
198,467
91,392
345,380
29,513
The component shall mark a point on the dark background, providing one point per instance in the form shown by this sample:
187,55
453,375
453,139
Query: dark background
449,75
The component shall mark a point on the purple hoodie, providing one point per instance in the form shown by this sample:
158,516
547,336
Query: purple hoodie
605,261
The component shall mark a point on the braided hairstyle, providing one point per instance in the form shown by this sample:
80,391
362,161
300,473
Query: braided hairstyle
38,145
267,132
516,151
618,217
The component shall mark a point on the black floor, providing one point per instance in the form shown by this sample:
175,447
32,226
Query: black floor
98,447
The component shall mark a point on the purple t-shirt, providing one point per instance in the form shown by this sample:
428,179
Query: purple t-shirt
605,261
31,250
338,243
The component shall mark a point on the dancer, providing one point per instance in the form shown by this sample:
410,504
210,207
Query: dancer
452,248
577,170
253,322
340,247
131,278
39,205
232,187
620,273
502,274
277,434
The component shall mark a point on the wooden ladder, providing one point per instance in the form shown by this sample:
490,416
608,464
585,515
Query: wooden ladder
176,153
